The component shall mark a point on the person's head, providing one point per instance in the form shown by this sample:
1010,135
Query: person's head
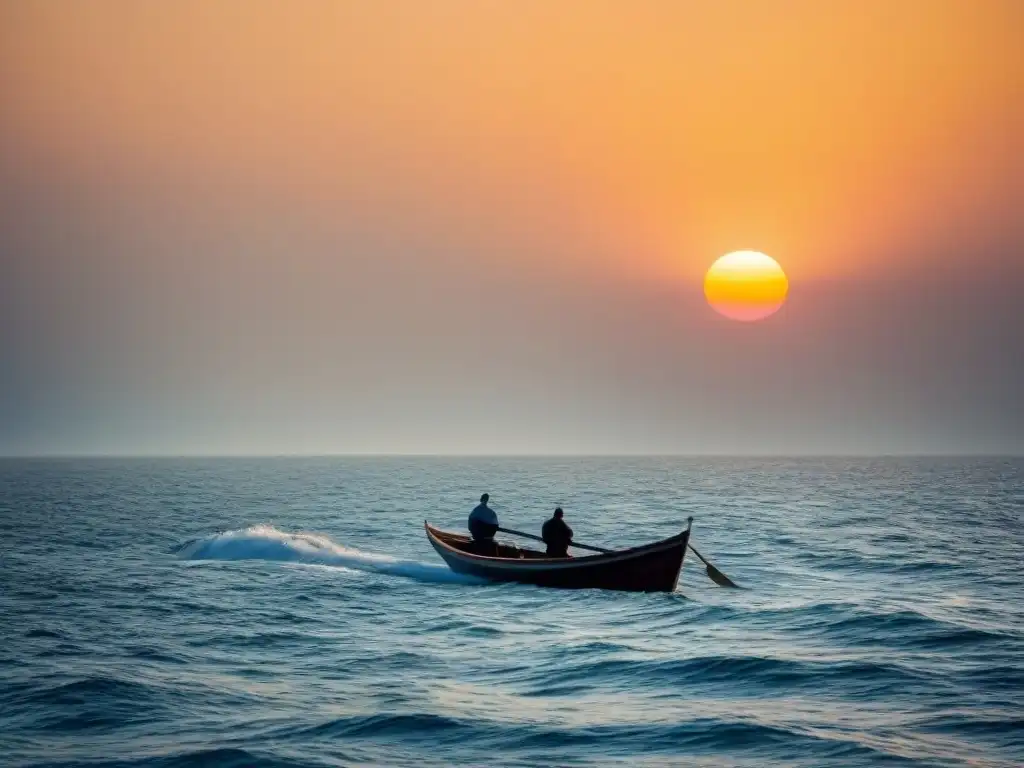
558,513
485,498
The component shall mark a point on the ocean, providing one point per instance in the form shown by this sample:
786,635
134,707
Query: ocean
287,612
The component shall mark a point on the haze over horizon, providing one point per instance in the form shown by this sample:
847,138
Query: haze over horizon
481,228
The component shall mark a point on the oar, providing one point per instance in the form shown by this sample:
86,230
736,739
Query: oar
714,574
572,544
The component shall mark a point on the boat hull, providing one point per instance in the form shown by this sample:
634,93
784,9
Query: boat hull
650,568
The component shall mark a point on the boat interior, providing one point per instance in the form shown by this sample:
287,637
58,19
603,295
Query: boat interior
494,548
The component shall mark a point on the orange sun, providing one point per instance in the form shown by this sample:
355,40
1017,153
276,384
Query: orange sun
746,286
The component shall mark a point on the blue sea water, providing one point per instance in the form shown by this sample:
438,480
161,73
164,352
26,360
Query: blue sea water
290,612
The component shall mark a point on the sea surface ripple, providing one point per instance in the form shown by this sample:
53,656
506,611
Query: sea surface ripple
290,612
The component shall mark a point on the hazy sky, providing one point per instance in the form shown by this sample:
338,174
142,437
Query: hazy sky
482,226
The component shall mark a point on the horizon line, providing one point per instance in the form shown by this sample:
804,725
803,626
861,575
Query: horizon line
553,455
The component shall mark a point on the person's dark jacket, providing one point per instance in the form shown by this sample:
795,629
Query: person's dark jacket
558,536
483,522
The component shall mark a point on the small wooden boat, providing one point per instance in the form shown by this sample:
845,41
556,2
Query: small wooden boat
650,568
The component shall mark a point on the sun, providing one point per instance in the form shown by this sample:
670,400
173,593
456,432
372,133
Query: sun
746,286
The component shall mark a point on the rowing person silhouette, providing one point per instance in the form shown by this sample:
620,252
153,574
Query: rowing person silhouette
483,524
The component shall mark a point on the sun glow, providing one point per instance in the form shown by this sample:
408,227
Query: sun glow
746,286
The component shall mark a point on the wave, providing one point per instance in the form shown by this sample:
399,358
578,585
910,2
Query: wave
225,757
904,629
757,673
92,703
694,738
264,542
81,691
222,757
407,726
35,634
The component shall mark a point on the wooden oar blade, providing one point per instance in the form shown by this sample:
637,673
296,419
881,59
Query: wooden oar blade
720,578
713,573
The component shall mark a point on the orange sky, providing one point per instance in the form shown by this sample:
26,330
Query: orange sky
654,135
483,226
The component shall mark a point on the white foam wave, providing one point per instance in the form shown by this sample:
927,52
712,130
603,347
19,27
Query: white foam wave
264,542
